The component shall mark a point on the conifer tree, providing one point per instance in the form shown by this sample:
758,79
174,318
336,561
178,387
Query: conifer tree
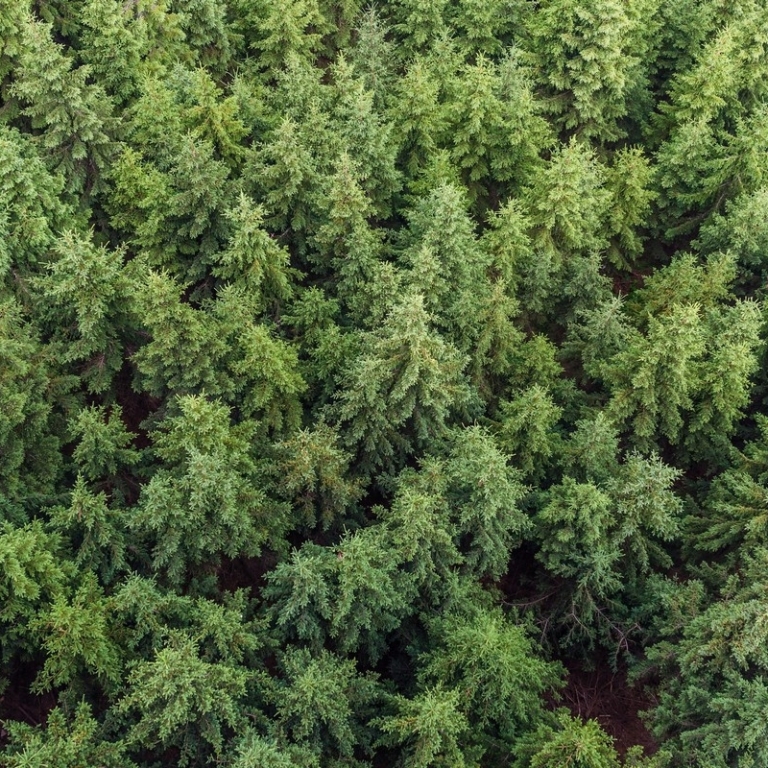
483,493
420,22
447,264
68,740
373,55
712,655
284,30
96,529
185,344
733,512
365,136
253,259
528,428
486,28
323,703
347,240
34,574
206,501
32,209
314,474
419,116
358,362
567,742
653,378
89,290
178,699
12,17
30,459
398,394
74,116
204,25
429,727
585,59
490,660
78,638
495,128
120,43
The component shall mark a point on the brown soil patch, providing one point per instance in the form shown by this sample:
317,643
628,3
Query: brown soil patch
604,695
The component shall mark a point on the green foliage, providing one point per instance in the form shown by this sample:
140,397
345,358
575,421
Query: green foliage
713,660
33,575
74,115
740,230
68,740
568,199
567,743
104,444
491,662
253,259
119,43
629,180
430,726
180,699
29,458
313,474
447,266
399,392
495,129
207,501
528,428
88,289
420,22
585,56
284,30
605,537
353,594
184,345
97,531
257,752
704,366
483,495
365,367
32,209
734,509
77,638
324,703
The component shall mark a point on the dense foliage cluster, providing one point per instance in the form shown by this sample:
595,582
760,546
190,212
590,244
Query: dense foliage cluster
366,370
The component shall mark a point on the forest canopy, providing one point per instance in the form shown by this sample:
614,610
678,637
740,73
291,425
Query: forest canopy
383,384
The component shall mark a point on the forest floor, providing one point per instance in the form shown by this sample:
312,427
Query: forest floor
605,695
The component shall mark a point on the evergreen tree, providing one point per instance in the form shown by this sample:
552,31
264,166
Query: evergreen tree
119,44
712,657
495,127
89,291
358,362
323,703
430,727
78,638
69,740
284,30
568,742
585,56
490,660
178,699
74,117
34,575
313,473
398,394
447,264
32,210
30,458
206,501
